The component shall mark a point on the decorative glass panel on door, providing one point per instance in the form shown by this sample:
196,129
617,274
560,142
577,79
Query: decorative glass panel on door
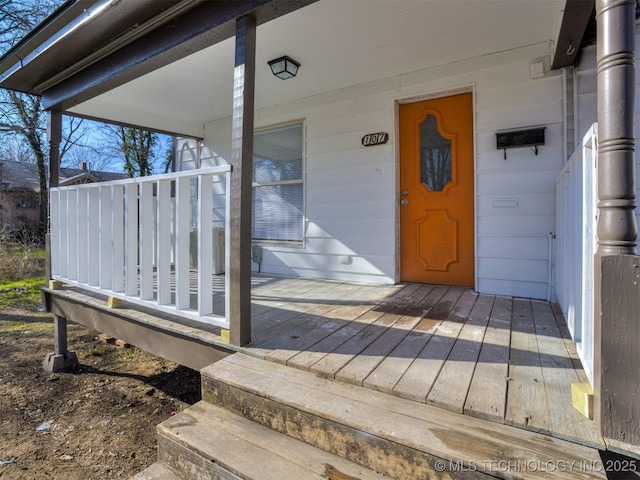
435,156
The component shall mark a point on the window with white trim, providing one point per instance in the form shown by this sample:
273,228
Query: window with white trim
278,189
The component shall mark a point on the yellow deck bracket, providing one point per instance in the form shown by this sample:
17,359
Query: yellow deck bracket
114,302
55,284
582,399
224,335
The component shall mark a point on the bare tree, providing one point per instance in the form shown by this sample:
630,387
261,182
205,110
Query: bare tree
93,156
14,149
24,117
141,151
83,144
138,149
18,17
21,115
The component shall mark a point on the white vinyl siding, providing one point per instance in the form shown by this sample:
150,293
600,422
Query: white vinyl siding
350,222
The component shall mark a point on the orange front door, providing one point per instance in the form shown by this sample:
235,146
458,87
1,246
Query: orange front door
436,191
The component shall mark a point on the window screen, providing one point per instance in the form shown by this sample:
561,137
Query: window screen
277,184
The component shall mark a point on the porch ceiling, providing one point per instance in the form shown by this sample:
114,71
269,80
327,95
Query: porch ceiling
339,44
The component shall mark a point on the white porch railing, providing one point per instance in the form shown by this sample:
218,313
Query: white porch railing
141,240
576,243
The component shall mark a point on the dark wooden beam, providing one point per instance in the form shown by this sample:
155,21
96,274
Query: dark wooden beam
575,19
241,178
161,335
54,137
206,24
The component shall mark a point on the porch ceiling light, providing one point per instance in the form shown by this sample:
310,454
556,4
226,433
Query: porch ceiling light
284,67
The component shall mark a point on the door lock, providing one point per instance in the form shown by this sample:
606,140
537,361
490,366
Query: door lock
404,201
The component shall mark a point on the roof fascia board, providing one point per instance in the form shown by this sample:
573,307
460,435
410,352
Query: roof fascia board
206,24
108,24
55,23
575,19
121,41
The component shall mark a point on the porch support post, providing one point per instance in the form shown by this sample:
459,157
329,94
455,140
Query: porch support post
54,137
60,335
54,134
617,266
61,358
617,230
241,177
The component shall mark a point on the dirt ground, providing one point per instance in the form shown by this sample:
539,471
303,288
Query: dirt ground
95,423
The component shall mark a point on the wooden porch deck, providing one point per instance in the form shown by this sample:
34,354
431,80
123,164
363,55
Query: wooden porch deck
502,359
506,360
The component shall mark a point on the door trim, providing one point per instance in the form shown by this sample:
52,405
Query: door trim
468,88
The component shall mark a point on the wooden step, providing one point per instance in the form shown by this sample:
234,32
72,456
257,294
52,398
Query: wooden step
156,471
396,437
206,441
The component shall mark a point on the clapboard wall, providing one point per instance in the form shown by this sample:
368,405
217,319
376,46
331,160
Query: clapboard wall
351,197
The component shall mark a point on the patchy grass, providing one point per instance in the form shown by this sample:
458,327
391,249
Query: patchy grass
20,261
126,354
39,323
23,294
21,308
97,351
21,276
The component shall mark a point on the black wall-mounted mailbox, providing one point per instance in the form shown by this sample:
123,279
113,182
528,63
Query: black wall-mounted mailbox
530,137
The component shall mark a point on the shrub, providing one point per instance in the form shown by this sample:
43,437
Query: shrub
20,257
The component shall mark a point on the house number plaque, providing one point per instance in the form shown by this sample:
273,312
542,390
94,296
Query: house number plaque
372,139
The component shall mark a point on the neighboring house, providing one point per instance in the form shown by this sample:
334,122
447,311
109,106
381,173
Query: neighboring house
411,144
19,187
19,200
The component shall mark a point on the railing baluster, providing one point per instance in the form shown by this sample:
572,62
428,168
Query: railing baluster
55,225
106,240
118,237
576,230
146,241
205,242
64,234
163,242
72,234
131,239
93,246
227,256
82,238
183,240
